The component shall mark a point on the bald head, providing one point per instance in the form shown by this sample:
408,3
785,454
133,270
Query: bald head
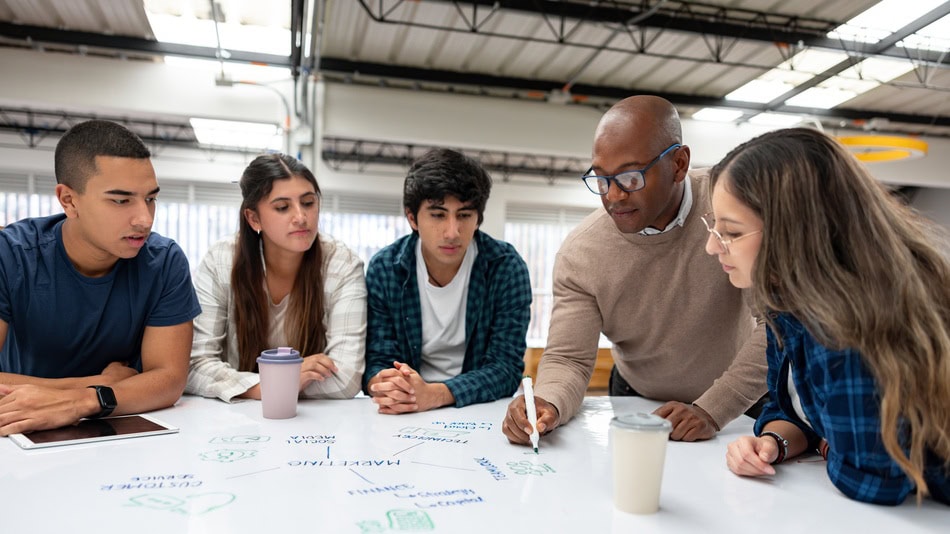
641,133
642,119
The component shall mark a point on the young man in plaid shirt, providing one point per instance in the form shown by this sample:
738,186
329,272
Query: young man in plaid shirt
448,305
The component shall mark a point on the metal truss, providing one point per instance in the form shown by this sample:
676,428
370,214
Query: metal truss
352,70
39,35
35,126
643,21
363,156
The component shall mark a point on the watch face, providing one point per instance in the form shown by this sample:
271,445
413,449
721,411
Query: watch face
106,397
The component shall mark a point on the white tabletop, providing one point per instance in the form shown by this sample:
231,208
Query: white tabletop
340,467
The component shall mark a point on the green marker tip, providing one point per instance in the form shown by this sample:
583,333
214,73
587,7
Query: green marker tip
536,450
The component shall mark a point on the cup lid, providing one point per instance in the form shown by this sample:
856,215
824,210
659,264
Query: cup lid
280,355
642,421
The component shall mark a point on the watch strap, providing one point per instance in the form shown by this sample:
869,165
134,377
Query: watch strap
107,402
782,445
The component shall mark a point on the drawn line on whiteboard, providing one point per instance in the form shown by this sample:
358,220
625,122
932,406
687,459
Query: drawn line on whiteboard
406,449
253,473
445,466
328,452
361,476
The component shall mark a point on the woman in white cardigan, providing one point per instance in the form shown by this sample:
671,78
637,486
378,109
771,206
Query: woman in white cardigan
278,282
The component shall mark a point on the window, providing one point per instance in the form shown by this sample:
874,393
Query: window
196,215
537,232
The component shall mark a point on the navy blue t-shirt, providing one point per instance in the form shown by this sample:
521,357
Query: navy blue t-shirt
62,324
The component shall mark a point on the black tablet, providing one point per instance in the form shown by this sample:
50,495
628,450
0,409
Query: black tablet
92,430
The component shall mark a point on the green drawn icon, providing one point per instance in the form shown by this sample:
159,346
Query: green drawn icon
158,502
240,439
191,505
409,520
527,467
227,455
370,527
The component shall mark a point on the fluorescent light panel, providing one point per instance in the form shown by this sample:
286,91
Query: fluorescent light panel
237,134
237,71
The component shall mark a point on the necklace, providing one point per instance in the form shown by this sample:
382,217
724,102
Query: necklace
432,279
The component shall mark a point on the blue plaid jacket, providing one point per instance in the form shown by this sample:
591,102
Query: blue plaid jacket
496,318
840,398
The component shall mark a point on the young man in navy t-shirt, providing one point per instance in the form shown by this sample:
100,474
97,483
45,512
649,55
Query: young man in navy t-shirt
95,310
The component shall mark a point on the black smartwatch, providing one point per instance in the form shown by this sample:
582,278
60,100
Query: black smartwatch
107,401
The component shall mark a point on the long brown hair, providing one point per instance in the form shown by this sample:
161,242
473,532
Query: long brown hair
305,328
860,270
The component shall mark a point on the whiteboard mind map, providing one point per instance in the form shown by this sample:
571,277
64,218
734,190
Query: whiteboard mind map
417,477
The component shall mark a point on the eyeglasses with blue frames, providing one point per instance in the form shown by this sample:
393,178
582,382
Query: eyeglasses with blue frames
628,181
710,223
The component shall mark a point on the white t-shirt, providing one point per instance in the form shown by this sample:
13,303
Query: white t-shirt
443,318
276,317
796,400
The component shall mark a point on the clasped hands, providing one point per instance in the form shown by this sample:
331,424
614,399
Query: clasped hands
402,390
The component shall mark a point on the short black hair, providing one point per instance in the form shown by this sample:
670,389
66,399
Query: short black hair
442,172
75,157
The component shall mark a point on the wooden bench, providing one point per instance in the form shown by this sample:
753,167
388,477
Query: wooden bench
599,381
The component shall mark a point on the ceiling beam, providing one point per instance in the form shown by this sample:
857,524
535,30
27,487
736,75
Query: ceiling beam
384,71
43,35
873,49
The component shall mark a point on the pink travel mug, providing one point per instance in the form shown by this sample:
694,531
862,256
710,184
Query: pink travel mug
280,382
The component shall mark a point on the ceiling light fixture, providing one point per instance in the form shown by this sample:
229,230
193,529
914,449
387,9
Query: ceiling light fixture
881,148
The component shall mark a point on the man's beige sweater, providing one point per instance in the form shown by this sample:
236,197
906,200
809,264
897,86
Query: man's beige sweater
680,330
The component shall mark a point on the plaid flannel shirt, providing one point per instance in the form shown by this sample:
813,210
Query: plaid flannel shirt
496,318
840,399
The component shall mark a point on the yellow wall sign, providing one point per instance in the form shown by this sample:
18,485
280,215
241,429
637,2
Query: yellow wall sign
877,148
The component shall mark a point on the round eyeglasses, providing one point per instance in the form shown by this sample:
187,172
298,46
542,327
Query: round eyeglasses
627,181
710,223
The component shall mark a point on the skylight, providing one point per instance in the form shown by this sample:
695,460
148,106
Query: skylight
882,20
787,75
821,98
250,26
851,82
878,70
935,37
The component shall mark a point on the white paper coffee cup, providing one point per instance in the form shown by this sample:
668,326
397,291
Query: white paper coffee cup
639,451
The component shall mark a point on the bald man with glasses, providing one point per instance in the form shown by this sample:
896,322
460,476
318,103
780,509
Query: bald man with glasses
637,272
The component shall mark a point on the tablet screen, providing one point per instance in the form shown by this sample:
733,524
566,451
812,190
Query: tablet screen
90,430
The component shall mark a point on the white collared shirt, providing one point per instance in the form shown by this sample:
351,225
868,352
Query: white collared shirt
680,219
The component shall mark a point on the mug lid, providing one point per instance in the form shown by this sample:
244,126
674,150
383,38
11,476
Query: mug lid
280,355
642,421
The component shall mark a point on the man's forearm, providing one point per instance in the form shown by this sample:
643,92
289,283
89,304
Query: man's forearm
151,390
12,379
